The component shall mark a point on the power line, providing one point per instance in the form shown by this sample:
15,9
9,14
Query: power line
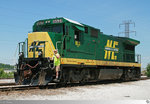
127,28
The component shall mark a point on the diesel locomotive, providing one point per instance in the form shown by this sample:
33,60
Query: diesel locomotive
87,54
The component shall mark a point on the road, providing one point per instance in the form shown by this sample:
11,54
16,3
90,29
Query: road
136,90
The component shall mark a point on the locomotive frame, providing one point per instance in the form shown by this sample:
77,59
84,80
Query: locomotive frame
86,53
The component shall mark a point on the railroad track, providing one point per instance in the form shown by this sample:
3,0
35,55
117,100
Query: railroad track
17,87
27,87
7,84
14,87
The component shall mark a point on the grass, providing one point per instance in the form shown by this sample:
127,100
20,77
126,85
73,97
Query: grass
6,75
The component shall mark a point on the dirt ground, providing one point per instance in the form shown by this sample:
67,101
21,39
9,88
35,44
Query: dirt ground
136,90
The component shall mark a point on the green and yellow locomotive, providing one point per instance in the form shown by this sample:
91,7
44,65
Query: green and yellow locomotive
86,54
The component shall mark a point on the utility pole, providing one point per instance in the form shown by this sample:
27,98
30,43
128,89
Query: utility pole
127,28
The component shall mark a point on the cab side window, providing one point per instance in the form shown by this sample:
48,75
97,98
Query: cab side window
76,35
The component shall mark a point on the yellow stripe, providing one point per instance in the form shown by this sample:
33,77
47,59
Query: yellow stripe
97,62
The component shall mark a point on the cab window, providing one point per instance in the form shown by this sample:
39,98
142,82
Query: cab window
49,28
57,29
76,35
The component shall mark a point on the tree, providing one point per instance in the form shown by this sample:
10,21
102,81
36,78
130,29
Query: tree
148,70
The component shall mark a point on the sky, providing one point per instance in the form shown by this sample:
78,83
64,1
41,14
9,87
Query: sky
18,16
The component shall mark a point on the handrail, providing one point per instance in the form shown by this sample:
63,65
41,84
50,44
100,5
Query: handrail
57,43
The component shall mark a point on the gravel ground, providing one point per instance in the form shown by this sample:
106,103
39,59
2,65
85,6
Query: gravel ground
136,90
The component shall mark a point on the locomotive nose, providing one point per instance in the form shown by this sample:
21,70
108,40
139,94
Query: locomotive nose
40,42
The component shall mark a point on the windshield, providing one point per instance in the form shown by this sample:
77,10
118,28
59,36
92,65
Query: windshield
48,28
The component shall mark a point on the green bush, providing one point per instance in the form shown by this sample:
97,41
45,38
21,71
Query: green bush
5,75
1,72
148,70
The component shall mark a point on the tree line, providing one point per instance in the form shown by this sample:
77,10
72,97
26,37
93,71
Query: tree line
6,66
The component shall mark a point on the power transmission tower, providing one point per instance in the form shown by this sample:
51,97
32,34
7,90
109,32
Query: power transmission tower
127,28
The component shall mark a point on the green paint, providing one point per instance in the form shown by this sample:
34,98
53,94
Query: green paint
91,46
